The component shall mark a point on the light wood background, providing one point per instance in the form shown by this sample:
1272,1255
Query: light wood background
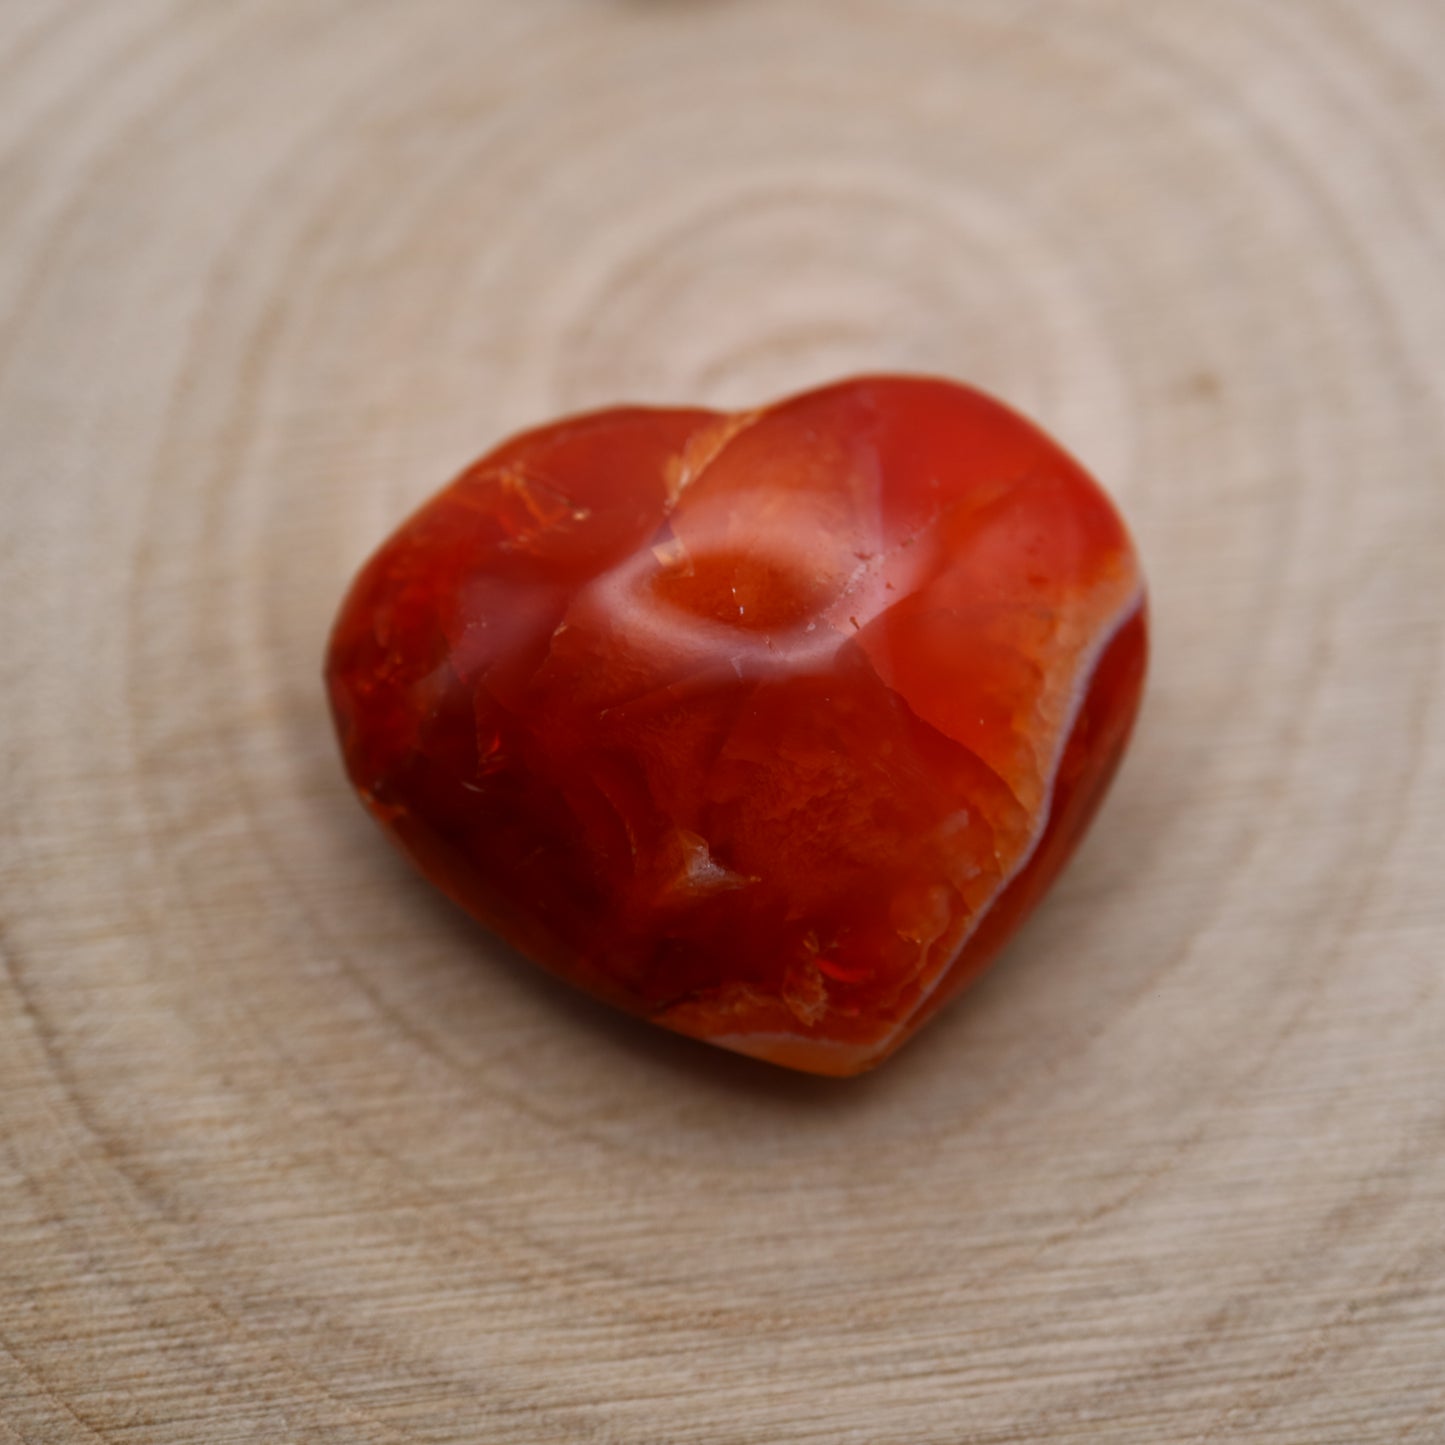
291,1151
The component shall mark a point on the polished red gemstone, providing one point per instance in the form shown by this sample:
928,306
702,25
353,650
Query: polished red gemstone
769,727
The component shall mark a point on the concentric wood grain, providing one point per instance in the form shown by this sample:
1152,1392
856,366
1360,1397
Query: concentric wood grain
290,1151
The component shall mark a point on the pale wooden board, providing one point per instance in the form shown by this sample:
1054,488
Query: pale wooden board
290,1150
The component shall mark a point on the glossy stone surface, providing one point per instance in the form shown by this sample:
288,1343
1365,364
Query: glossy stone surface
768,727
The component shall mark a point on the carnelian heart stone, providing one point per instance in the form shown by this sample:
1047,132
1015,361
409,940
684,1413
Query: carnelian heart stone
770,727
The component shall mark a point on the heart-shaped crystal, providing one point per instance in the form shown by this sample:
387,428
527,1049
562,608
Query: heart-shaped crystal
769,727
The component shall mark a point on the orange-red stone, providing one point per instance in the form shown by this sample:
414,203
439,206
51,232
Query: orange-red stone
769,727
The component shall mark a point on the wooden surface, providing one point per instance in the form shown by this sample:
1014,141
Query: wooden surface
290,1151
